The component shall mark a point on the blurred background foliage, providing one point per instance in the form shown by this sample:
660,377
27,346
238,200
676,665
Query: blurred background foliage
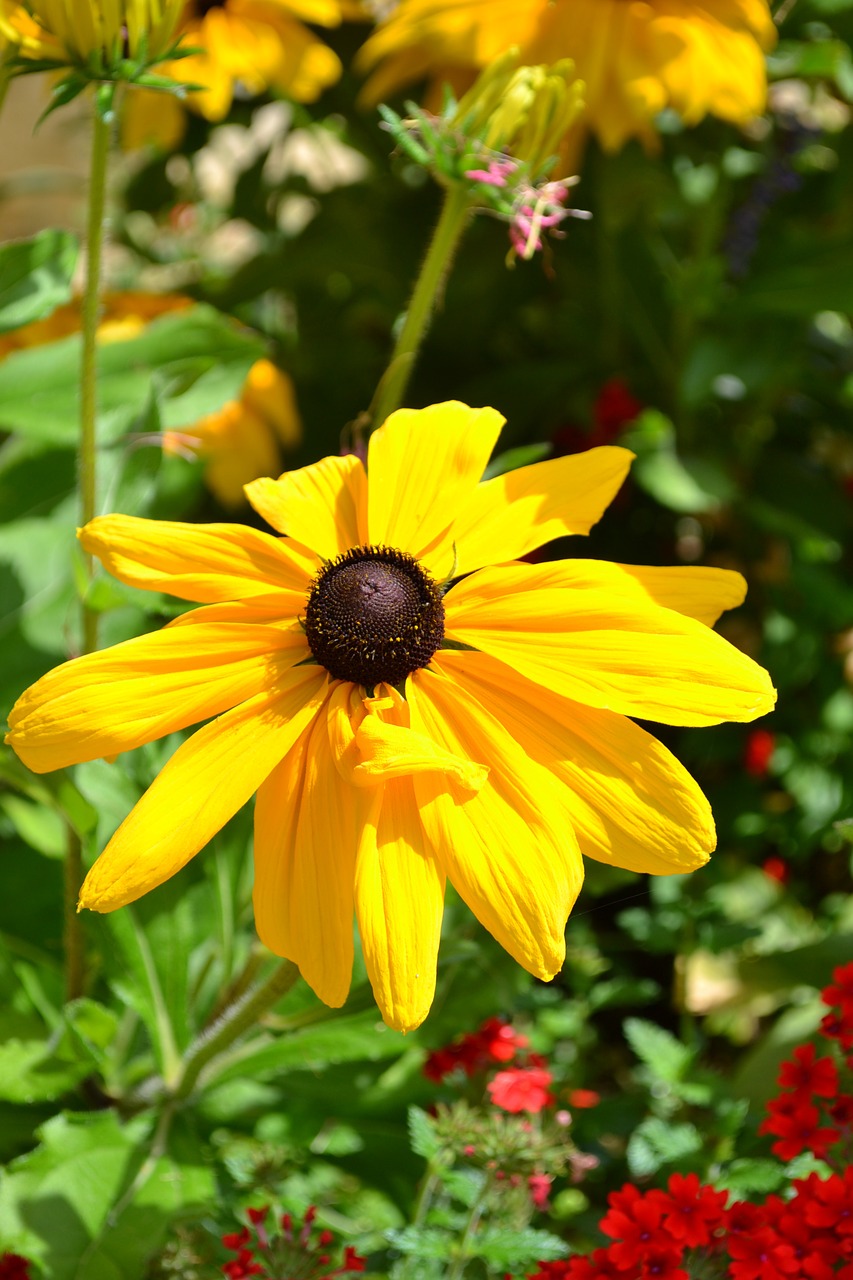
702,317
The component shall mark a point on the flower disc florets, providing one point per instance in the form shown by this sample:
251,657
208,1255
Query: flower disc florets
374,614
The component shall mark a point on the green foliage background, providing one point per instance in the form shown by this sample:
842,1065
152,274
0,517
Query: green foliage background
680,995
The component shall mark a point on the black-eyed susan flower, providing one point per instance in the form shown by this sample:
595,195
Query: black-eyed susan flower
695,56
256,44
95,40
409,701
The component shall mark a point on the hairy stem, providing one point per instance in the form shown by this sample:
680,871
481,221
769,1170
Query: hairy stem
428,287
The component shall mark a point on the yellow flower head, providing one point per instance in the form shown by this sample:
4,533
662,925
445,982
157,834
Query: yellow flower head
399,733
259,44
90,33
243,440
635,56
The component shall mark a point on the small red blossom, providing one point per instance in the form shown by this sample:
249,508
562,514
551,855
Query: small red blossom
540,1189
581,1099
804,1073
776,869
614,409
14,1267
663,1262
521,1089
758,752
495,1041
296,1251
692,1213
796,1123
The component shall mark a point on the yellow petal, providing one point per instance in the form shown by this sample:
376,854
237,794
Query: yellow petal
423,465
204,562
578,628
135,692
632,804
269,393
699,591
308,824
399,898
509,850
510,515
203,785
323,506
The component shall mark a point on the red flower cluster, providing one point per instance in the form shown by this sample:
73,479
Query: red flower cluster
814,1110
658,1235
688,1230
522,1088
292,1252
496,1041
14,1267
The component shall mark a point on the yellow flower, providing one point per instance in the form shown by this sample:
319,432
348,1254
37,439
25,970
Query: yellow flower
397,734
90,33
123,316
260,44
243,439
635,56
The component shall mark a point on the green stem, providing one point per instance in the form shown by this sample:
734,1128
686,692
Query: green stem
433,273
457,1268
86,453
73,928
238,1018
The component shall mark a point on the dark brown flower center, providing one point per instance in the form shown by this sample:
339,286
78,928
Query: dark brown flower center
374,614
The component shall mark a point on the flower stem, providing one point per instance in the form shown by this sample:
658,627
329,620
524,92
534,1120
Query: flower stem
236,1019
73,928
433,273
86,454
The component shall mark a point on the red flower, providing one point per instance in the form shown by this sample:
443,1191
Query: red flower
662,1262
760,1256
796,1123
633,1222
806,1074
760,745
521,1089
14,1267
829,1202
614,409
580,1099
840,990
776,869
540,1189
692,1212
495,1041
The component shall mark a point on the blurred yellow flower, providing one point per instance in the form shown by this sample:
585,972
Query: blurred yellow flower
399,733
240,442
244,439
258,44
636,57
90,33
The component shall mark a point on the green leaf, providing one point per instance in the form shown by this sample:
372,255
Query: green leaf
666,1057
35,277
752,1177
39,387
681,484
94,1202
428,1242
656,1142
348,1038
422,1135
509,1248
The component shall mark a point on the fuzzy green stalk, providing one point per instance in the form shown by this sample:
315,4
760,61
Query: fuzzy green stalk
86,452
234,1021
87,488
428,287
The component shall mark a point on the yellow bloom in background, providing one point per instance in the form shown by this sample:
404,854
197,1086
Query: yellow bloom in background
77,31
636,57
240,442
258,44
399,734
123,316
244,439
